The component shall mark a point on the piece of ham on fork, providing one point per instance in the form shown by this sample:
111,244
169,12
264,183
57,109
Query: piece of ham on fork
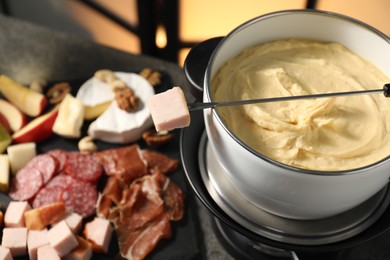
169,110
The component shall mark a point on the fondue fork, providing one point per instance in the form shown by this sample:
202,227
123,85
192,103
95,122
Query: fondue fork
203,105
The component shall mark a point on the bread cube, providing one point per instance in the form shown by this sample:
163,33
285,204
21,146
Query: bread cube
62,239
15,239
35,240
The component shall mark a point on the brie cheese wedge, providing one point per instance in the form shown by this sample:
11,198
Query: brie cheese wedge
118,126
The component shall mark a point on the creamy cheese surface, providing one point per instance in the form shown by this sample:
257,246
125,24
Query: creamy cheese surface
328,134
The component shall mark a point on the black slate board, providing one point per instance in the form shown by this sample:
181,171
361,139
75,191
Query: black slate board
29,52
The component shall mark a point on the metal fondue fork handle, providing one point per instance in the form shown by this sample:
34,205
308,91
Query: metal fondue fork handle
199,105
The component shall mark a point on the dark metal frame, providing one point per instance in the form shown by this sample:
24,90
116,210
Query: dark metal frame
151,14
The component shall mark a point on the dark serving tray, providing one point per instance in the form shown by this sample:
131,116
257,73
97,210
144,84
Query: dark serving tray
29,52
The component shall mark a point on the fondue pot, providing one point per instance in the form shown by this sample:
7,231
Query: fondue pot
276,188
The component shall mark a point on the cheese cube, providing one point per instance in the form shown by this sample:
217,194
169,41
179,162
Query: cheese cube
41,217
62,239
47,252
70,117
98,232
15,239
20,154
169,110
35,240
82,252
4,173
14,215
5,253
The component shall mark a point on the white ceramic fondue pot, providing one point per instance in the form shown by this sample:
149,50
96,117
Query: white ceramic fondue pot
275,187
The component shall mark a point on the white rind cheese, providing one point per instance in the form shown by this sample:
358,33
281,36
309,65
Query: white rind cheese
118,126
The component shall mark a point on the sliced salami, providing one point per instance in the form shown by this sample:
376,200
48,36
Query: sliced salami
83,167
52,191
61,156
80,197
61,181
47,196
46,164
26,184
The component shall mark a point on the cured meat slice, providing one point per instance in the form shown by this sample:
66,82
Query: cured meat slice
26,184
51,193
113,189
83,167
138,244
125,163
173,198
142,218
61,157
61,181
46,164
158,162
80,197
46,196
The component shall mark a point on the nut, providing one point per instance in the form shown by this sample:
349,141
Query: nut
126,99
155,139
105,75
118,84
146,72
86,145
57,92
38,85
153,77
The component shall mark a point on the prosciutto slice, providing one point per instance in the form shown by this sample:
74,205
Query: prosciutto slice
125,163
142,218
139,199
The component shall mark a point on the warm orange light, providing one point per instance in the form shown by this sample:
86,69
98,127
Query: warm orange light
161,37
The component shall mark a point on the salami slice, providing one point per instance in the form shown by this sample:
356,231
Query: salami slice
46,164
61,181
61,157
52,191
26,184
47,196
83,167
80,197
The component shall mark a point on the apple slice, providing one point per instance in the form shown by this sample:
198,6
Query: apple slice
28,101
5,139
16,119
4,123
38,129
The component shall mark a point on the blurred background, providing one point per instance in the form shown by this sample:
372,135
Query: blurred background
167,29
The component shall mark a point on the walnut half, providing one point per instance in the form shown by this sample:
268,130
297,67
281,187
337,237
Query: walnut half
155,139
153,77
57,92
126,99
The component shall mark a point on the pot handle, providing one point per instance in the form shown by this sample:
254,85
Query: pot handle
196,63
